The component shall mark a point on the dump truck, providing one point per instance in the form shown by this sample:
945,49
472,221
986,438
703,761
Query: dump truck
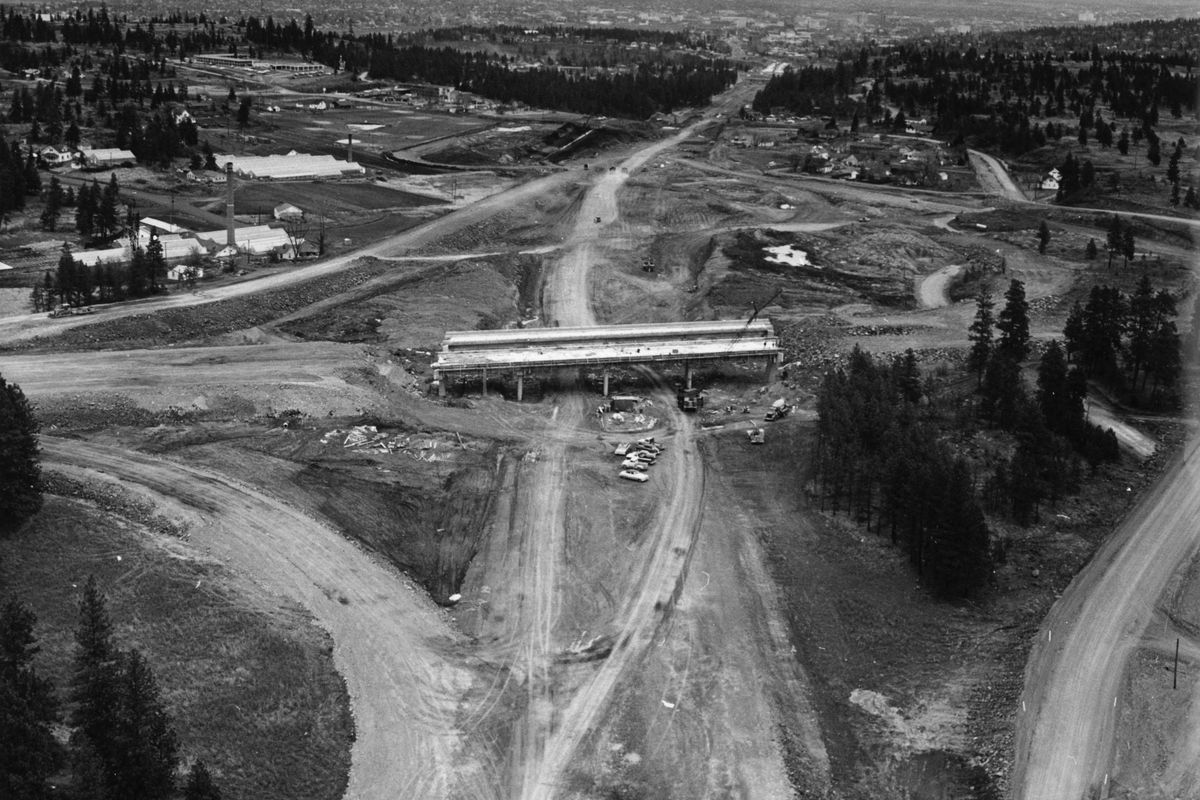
689,399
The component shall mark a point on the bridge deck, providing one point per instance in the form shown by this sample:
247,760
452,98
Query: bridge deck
464,351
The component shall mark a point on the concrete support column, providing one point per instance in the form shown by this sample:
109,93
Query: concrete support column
485,383
606,383
687,374
441,382
769,375
520,386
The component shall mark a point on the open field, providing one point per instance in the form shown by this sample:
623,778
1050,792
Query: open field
713,631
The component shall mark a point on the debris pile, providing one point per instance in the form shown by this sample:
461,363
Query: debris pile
368,437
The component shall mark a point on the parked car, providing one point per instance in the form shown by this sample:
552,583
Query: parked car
640,466
633,475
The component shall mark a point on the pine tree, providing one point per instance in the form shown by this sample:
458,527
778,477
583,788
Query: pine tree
106,211
1074,331
20,469
1113,237
53,207
85,210
959,543
1013,323
95,687
1091,250
1043,237
29,753
199,784
1003,390
1164,361
1141,325
906,376
145,747
1128,245
980,335
1057,393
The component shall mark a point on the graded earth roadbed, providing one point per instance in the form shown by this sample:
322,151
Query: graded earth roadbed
1064,745
388,636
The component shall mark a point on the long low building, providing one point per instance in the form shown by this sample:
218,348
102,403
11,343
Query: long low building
253,239
686,343
293,166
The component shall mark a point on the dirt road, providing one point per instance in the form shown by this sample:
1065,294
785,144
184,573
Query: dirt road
389,638
993,177
1064,734
931,293
661,562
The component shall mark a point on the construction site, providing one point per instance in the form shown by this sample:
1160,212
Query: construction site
526,485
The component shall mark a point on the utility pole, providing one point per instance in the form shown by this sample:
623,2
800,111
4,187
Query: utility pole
1175,678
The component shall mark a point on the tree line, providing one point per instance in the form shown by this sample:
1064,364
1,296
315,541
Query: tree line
1128,343
74,284
880,459
999,91
19,177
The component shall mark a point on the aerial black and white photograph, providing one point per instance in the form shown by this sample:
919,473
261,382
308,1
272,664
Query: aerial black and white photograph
547,400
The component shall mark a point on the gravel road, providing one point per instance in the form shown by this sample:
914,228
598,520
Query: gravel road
1065,732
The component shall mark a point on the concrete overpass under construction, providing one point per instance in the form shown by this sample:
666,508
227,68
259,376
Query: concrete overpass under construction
475,353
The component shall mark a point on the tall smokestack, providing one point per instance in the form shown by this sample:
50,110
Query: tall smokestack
229,240
350,147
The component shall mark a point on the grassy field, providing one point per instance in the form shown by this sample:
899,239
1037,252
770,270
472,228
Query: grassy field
335,197
253,693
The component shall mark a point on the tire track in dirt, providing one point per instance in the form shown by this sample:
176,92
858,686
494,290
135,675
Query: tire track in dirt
540,752
389,638
675,527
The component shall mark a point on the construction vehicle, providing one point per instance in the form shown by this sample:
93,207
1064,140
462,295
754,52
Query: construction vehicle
756,435
689,399
778,410
71,311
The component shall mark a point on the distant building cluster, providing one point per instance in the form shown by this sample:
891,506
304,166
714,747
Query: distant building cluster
242,62
185,251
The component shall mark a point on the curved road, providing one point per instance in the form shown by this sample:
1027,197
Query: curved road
1064,746
388,636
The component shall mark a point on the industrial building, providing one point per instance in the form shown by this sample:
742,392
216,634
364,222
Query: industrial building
293,166
257,240
219,60
108,157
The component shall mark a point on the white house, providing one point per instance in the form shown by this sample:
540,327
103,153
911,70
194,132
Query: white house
55,157
182,272
287,211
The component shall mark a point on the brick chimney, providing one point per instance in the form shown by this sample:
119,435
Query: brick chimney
229,239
